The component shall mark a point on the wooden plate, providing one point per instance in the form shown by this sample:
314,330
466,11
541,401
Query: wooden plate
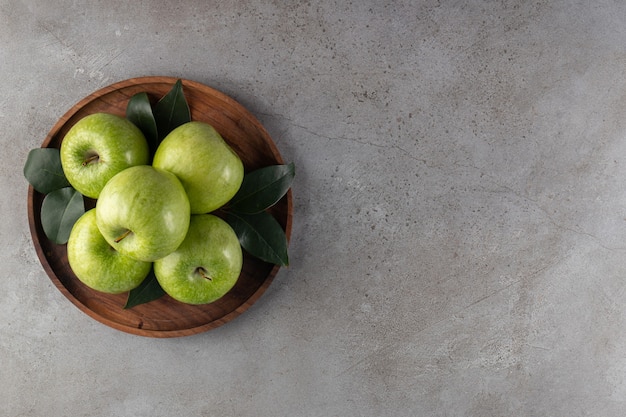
166,317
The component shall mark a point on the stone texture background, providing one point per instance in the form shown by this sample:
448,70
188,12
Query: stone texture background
459,232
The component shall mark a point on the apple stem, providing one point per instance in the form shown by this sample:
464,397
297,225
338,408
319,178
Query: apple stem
91,159
203,273
122,236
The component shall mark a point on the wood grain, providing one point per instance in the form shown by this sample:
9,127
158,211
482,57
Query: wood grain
166,317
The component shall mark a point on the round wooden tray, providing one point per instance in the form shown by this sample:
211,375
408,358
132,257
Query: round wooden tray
166,317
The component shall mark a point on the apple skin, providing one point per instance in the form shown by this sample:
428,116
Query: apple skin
96,264
205,164
143,212
99,146
211,248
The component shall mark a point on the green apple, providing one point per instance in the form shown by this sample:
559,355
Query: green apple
143,212
98,265
205,266
205,164
99,146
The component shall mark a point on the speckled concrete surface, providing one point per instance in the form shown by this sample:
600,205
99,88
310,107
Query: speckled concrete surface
459,232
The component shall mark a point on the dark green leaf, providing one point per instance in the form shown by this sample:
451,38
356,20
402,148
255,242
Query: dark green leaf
172,110
263,188
43,170
59,211
148,290
261,236
139,112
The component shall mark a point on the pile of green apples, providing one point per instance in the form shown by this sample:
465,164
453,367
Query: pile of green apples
153,212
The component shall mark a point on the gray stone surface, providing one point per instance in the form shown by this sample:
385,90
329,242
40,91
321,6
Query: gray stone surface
459,232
